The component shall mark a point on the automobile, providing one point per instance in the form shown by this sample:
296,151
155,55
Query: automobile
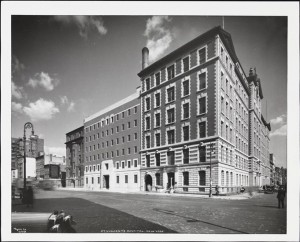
269,190
29,222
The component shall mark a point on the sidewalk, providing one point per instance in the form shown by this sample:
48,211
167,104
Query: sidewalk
229,197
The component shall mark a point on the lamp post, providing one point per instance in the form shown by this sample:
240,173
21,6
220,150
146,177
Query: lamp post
27,125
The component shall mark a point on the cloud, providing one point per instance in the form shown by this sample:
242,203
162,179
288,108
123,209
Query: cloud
70,105
41,110
44,80
16,91
282,131
85,24
159,37
16,107
278,120
61,151
17,66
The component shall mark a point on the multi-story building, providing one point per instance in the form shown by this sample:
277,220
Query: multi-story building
75,158
45,161
272,169
201,118
112,145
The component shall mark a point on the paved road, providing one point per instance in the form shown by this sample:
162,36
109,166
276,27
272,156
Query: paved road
139,213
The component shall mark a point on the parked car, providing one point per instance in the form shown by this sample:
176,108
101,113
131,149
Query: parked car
269,190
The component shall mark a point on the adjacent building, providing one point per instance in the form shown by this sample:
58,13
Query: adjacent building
199,107
75,158
50,166
112,145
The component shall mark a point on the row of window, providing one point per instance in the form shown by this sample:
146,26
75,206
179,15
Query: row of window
74,136
227,180
111,142
119,165
118,180
111,154
107,133
171,69
170,135
111,120
171,93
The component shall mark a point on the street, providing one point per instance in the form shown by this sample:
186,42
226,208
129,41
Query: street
106,212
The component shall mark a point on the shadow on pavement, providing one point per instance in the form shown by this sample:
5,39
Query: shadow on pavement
94,218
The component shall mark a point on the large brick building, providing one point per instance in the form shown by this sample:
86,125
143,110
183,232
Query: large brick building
198,106
112,145
75,158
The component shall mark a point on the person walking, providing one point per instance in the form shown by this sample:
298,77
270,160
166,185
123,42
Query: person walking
281,196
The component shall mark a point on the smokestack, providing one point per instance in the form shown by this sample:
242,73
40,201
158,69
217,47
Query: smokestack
145,57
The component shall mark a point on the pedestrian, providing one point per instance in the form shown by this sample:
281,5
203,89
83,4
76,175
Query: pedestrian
281,196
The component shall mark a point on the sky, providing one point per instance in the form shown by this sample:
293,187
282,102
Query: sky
65,68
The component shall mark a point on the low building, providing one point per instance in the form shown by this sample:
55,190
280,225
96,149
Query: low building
111,147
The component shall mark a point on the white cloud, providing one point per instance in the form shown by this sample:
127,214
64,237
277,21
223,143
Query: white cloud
61,151
16,91
41,110
17,66
278,120
159,37
70,105
282,131
85,24
16,107
44,80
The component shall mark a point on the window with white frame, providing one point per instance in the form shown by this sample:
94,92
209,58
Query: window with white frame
170,94
202,80
171,136
202,105
185,87
147,103
171,115
147,123
157,99
157,139
186,63
147,84
202,56
186,110
148,141
157,78
157,120
171,72
186,133
202,129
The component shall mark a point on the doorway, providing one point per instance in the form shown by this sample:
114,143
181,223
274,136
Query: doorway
106,181
148,183
171,180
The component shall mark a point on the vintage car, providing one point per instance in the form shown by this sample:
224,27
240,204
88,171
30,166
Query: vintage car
269,190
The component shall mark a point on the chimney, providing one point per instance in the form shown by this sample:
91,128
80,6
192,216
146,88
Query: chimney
145,57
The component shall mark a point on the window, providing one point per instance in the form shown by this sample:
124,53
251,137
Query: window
126,178
135,109
157,139
117,165
202,129
202,105
157,179
147,82
128,151
135,178
117,129
135,136
102,134
106,132
186,64
186,133
147,122
171,157
157,99
128,112
147,103
171,136
186,110
202,80
147,160
123,114
117,141
112,154
129,165
171,116
86,180
202,153
135,122
171,72
98,180
202,177
186,87
157,78
147,141
135,163
202,55
128,125
123,151
92,180
185,180
123,165
186,156
128,137
123,139
171,94
157,119
135,149
118,179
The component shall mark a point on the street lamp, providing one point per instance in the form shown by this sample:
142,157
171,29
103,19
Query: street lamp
210,168
27,125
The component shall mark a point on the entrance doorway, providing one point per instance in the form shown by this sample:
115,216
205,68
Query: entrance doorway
148,183
171,179
106,181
